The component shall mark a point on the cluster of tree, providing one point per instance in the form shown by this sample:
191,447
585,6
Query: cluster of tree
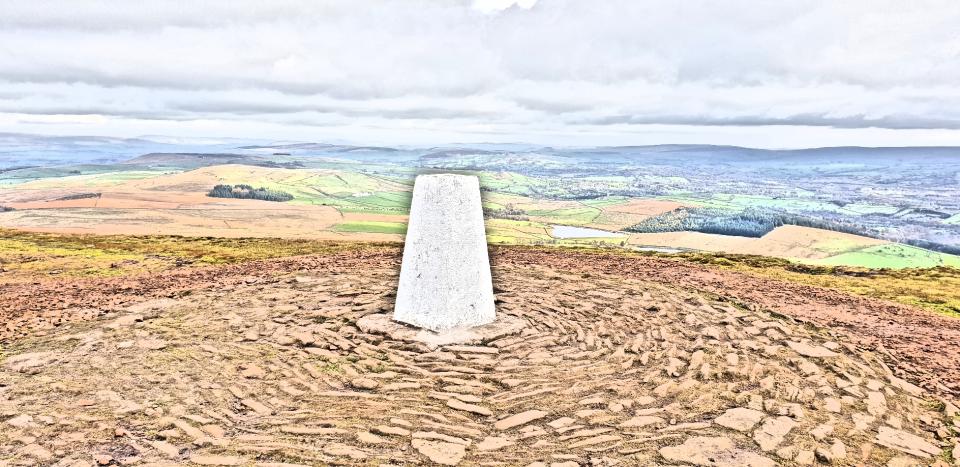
5,208
280,165
78,196
835,225
16,167
942,248
715,221
583,194
931,213
508,212
248,192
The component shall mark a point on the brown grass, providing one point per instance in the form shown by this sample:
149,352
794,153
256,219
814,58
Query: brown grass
26,254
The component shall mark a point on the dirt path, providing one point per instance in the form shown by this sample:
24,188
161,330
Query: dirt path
924,346
268,364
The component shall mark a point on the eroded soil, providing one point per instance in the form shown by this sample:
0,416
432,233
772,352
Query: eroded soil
624,361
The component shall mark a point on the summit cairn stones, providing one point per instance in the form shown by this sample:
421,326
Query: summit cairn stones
445,293
445,276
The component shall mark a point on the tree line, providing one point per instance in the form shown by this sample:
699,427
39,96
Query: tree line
248,192
749,223
757,223
79,196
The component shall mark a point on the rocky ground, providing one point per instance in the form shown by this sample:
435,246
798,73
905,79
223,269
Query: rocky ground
623,361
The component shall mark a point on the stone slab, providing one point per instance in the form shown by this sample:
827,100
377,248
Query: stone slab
504,325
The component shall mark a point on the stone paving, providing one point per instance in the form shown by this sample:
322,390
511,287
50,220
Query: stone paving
608,371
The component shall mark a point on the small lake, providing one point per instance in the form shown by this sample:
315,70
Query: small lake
566,231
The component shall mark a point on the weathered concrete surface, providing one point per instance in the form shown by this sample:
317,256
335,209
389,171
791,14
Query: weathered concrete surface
445,277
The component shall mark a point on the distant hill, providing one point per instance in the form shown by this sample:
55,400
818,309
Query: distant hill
178,158
18,150
196,160
323,147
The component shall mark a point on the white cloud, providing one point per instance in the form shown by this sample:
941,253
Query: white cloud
493,6
572,70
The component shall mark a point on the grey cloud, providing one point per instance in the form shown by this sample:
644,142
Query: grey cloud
552,106
892,122
206,107
557,67
256,108
105,111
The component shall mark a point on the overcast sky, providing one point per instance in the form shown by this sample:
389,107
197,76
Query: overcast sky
567,72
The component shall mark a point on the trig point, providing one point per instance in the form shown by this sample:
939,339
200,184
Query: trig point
445,295
445,276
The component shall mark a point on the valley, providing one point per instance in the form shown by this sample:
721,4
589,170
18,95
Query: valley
646,197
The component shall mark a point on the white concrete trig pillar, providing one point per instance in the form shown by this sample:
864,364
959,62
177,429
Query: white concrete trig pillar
445,276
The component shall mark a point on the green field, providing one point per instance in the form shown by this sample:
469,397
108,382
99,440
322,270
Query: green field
507,231
568,216
92,180
891,256
509,182
372,227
